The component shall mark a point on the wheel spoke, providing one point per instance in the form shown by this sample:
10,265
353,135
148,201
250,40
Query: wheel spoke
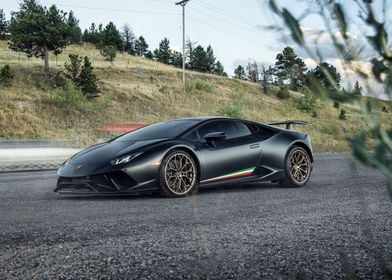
180,173
299,166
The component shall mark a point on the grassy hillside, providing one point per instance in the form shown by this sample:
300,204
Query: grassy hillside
135,89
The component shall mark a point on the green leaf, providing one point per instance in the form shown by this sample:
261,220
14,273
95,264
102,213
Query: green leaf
340,16
274,7
293,24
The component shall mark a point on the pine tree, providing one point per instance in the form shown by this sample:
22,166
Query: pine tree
320,75
3,25
218,69
149,55
211,59
357,91
76,32
110,36
290,68
92,35
200,59
73,68
87,80
37,30
176,59
239,73
163,54
141,46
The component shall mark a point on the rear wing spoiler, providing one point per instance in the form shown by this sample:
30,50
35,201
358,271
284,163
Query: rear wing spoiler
288,123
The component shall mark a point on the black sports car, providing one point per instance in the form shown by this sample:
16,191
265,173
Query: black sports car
175,157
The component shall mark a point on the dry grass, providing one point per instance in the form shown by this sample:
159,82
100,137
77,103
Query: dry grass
135,89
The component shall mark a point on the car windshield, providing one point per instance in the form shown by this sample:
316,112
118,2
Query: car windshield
167,129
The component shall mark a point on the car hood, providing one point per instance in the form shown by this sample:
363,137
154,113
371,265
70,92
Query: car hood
107,151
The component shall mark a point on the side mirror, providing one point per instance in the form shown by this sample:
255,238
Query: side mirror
215,136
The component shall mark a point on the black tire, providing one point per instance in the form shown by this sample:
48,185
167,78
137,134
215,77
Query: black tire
298,168
176,180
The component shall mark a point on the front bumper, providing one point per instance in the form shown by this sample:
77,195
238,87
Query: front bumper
117,182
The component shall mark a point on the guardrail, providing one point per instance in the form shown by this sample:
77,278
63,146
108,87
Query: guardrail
29,155
38,143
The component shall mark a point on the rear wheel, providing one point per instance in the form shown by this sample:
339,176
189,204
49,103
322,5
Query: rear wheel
298,168
178,174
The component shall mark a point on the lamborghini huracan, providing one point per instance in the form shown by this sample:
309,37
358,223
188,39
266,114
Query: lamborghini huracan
175,157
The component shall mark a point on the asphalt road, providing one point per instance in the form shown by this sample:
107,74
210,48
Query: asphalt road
338,226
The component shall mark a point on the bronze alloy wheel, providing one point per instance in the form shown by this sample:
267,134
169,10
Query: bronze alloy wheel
299,166
180,173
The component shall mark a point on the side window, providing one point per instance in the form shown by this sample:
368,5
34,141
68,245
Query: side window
232,129
243,129
191,136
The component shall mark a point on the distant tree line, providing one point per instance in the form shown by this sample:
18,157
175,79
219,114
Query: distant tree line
38,30
290,71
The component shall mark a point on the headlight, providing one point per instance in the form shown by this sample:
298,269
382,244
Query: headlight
124,159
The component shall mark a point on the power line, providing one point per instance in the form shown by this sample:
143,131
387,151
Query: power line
226,13
227,31
228,22
118,10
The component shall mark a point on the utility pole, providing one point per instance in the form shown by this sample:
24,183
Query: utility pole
183,3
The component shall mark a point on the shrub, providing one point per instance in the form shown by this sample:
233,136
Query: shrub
283,93
6,75
336,104
328,129
342,115
69,98
165,89
233,111
59,80
199,85
109,53
306,102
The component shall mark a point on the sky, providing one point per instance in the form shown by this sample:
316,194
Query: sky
236,29
231,27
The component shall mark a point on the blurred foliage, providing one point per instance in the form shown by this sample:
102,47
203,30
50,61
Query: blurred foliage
306,102
373,27
283,92
233,111
342,115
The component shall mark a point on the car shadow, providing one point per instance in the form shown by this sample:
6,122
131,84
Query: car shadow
208,190
249,187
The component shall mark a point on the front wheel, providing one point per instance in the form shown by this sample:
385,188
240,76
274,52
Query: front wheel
298,168
178,174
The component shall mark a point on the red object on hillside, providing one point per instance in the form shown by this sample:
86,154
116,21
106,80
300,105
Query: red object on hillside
121,127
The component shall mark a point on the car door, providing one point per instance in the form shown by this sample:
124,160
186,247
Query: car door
234,157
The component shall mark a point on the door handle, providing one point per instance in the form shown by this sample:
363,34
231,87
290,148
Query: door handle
254,146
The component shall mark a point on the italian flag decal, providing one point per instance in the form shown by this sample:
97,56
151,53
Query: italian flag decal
239,173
